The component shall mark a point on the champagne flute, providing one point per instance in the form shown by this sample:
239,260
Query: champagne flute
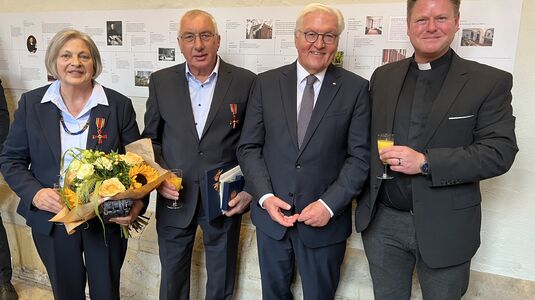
56,187
385,140
177,182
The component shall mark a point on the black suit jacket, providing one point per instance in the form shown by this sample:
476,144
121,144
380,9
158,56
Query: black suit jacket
469,136
4,117
31,157
332,163
170,124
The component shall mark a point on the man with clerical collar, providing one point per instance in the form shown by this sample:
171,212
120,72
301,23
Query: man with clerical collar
453,127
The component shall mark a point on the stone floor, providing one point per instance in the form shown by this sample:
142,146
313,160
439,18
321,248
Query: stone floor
31,290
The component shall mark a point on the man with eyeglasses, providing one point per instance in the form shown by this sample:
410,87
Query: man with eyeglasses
194,116
304,150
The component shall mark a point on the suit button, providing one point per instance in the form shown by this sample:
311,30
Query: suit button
291,195
201,153
298,166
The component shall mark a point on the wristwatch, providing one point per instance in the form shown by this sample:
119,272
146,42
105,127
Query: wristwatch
424,168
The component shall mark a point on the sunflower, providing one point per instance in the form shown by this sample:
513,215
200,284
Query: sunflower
69,196
142,174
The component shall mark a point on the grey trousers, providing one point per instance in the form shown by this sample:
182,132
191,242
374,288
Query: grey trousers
392,250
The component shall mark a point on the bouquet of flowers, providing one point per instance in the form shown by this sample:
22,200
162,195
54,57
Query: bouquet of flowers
94,177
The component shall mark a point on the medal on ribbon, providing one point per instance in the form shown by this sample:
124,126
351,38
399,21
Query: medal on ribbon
100,122
216,180
234,110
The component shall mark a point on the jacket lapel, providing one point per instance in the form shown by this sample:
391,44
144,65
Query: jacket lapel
288,92
223,83
453,84
329,88
393,92
48,117
102,113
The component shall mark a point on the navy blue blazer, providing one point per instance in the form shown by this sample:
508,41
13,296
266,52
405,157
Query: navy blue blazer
4,117
31,156
332,163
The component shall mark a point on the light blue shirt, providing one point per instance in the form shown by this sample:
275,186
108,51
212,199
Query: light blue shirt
201,94
74,124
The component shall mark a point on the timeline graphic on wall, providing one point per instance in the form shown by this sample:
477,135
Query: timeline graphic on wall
135,43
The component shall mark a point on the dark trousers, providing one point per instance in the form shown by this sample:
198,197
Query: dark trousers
220,238
5,256
392,251
71,259
319,267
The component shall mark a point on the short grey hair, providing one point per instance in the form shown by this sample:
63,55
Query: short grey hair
314,7
194,13
60,39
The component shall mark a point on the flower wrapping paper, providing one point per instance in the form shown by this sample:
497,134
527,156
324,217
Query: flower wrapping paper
82,213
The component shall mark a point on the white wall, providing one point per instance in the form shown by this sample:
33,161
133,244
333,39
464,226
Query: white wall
508,230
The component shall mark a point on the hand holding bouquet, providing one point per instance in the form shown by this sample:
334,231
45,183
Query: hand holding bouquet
94,177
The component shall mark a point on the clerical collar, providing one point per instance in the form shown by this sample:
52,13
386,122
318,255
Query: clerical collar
444,59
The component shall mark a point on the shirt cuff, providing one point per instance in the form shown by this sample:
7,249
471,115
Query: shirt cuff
327,207
263,198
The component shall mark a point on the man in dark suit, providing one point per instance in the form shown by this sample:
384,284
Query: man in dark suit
7,291
453,126
190,113
304,151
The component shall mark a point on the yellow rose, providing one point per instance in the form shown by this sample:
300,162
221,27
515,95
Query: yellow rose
131,159
111,187
84,171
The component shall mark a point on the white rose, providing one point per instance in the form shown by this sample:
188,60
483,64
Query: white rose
75,165
103,163
84,171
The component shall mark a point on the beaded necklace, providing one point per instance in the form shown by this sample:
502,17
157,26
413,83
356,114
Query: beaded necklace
67,129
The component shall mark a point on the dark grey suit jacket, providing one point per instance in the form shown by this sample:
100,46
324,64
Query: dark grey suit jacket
332,163
31,156
469,137
170,124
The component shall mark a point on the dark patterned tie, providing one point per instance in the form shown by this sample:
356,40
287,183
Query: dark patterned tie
305,112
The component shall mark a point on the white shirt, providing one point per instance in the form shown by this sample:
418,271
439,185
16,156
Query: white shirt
74,124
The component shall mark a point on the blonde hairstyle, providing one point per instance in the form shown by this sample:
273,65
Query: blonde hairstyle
194,13
314,7
456,4
60,39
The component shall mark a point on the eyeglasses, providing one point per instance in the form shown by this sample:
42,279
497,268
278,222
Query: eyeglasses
312,37
190,37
